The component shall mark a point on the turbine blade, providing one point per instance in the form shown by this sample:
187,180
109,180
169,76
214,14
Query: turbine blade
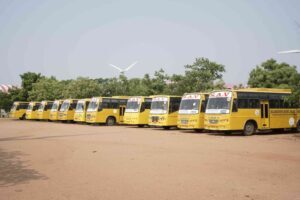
289,51
130,66
118,68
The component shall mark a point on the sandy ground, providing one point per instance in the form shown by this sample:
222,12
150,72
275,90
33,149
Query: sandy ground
44,160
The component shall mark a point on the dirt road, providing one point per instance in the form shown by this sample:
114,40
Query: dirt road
44,160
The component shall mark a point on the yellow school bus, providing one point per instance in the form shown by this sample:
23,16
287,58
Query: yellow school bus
80,111
44,110
67,110
164,111
53,116
107,110
192,110
32,110
249,110
18,110
137,111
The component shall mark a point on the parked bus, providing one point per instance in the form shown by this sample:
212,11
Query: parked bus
192,110
164,111
107,110
32,110
249,110
80,111
67,110
53,116
44,110
18,110
137,111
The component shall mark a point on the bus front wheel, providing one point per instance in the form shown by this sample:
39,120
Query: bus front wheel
23,117
166,127
110,121
298,127
249,128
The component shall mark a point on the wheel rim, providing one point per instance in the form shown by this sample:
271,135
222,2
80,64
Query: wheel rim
249,128
110,121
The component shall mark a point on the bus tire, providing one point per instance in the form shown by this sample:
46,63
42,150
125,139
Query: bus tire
166,127
110,121
249,128
141,125
227,132
23,117
198,130
298,127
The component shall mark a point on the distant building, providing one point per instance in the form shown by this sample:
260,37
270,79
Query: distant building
5,88
229,86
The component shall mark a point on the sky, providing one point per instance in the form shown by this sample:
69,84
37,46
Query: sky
67,39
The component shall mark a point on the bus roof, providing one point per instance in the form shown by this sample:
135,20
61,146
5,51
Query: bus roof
201,93
265,90
70,99
21,102
46,101
161,95
119,97
260,90
85,99
34,102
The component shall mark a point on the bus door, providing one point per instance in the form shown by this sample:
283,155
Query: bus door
265,114
122,112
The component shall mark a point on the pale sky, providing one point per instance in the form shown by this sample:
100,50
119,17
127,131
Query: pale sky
68,39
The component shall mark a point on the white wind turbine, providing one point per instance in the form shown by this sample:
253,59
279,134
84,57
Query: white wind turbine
122,71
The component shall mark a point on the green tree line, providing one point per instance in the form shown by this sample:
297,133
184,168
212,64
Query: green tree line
201,75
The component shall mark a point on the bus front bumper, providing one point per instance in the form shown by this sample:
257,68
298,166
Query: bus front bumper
217,123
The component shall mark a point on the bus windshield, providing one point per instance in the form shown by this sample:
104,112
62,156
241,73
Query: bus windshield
55,106
93,105
80,106
64,106
220,105
14,107
159,107
132,106
41,107
30,107
189,106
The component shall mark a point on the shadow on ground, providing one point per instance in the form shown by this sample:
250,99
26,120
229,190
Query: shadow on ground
13,170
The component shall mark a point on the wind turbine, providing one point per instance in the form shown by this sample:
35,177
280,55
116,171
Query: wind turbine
122,71
289,51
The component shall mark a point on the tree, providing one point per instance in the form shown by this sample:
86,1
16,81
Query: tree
158,83
203,75
5,101
28,79
82,88
46,89
271,74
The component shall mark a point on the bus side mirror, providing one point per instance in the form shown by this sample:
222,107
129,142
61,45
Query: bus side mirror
234,105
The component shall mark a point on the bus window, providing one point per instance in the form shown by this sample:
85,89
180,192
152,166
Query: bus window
174,104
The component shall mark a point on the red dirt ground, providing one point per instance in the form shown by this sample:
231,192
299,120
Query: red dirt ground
47,160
